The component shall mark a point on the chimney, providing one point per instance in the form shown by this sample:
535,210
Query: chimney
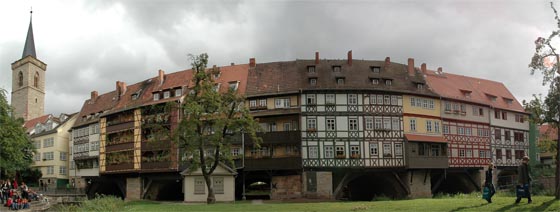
94,95
161,76
411,66
316,58
252,62
232,64
118,88
123,88
439,70
387,61
350,58
423,68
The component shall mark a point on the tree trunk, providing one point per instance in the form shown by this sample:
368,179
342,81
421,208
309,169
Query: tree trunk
211,199
557,192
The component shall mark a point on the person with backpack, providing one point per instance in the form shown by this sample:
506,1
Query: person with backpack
489,189
524,180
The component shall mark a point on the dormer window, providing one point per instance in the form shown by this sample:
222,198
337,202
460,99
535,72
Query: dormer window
375,69
336,68
217,74
508,101
134,96
233,85
156,96
313,81
374,81
491,97
420,86
166,94
340,81
311,69
178,92
217,87
388,82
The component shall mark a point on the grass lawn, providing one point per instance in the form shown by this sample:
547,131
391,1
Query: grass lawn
456,203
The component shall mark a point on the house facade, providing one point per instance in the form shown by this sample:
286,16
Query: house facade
51,139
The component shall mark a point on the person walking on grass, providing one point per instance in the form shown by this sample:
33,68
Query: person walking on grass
488,183
524,179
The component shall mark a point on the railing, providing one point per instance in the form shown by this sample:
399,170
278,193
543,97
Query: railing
286,163
155,145
279,137
120,126
156,165
119,146
119,167
428,162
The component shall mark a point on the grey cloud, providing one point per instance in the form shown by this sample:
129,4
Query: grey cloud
487,39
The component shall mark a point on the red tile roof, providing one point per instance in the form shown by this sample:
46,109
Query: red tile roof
547,131
425,138
454,86
31,123
110,103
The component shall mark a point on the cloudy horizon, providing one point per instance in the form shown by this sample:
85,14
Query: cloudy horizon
88,45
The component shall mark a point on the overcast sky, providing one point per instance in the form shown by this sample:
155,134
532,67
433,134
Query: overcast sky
88,45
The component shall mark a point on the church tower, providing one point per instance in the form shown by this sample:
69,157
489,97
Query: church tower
28,81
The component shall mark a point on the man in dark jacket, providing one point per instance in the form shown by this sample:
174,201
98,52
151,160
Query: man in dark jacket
524,178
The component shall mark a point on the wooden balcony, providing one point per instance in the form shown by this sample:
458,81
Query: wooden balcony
285,163
427,162
156,165
81,140
156,145
273,112
120,127
119,146
120,167
279,137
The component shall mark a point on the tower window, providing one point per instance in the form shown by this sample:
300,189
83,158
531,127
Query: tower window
20,79
36,80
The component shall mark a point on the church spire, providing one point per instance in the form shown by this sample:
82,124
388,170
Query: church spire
29,48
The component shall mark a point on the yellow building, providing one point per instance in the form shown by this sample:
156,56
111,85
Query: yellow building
426,146
51,139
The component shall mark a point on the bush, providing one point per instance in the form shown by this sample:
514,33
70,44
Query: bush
100,203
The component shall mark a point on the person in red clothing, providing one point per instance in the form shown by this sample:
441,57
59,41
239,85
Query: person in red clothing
9,202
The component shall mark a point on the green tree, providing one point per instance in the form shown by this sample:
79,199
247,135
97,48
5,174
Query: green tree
547,61
15,146
210,121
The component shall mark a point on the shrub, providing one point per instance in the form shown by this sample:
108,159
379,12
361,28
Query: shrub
100,203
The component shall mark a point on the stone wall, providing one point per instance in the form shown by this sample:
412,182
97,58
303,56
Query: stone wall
324,186
286,187
419,188
133,188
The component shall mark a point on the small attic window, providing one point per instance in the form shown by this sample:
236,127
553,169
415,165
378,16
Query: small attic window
134,96
217,87
420,86
311,69
340,80
508,100
313,81
388,82
491,97
375,69
156,96
336,68
166,94
466,93
374,81
233,85
178,92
